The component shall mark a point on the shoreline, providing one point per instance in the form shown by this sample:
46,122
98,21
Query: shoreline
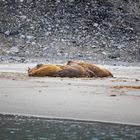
87,99
52,118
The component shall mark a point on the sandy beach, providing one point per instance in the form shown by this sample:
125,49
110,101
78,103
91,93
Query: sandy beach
93,99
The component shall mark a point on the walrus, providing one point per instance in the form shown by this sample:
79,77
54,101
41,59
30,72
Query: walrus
42,70
73,70
97,71
30,70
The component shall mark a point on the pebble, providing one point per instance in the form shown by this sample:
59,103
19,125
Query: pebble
88,27
14,50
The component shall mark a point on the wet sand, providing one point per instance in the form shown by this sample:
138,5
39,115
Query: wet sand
92,99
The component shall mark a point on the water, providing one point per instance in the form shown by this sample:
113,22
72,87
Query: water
33,128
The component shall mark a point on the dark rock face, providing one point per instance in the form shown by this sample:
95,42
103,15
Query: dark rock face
92,30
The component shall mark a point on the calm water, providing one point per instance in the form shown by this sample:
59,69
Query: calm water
33,128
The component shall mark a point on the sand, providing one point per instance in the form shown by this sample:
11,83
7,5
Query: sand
91,99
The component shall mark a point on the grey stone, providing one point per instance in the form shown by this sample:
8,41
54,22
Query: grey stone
95,24
29,37
23,17
14,50
22,36
7,33
70,28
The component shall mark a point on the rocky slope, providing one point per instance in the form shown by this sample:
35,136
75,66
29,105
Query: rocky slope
54,31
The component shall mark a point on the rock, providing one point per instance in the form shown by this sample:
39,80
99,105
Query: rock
14,50
71,0
92,27
113,95
23,17
47,33
7,33
33,43
93,46
22,36
104,53
21,0
80,55
95,24
120,46
114,56
29,37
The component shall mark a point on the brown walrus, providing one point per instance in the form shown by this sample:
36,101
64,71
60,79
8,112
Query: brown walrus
73,70
97,71
42,70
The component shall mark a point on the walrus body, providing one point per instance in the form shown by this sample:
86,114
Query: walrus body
44,70
71,69
97,71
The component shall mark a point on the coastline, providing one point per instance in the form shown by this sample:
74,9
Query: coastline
87,99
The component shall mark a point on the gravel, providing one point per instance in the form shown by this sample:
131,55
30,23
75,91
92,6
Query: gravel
104,32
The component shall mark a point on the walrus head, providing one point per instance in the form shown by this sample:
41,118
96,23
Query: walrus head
30,70
71,62
39,65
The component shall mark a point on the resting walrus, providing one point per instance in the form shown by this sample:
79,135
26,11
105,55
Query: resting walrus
71,69
74,70
99,72
42,70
